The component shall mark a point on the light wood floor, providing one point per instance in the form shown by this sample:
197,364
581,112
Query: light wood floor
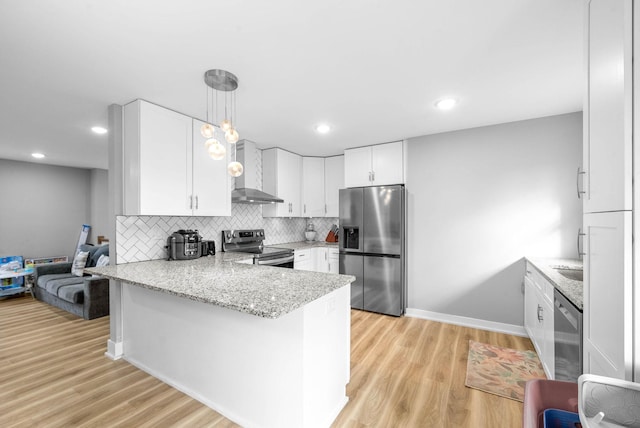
405,372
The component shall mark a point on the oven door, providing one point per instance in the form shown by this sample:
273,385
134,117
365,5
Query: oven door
279,261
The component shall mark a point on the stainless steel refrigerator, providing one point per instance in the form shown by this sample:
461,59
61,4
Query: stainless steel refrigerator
372,247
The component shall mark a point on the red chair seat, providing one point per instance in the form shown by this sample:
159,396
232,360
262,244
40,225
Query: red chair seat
541,394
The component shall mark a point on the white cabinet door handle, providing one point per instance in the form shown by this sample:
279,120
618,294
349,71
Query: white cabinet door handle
580,252
580,192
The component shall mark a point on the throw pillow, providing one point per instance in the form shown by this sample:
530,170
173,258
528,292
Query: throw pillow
103,261
101,250
79,262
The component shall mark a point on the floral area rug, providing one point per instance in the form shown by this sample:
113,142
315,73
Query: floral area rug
501,371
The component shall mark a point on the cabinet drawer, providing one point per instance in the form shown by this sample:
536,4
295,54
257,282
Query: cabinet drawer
300,255
534,276
545,287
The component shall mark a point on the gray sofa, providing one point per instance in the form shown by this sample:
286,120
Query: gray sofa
84,296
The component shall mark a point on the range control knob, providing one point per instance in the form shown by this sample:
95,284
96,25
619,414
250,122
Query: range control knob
228,235
235,235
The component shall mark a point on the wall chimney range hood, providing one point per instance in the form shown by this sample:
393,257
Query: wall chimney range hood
245,193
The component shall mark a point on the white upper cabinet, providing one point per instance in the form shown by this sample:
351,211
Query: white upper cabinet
608,118
357,167
167,170
377,165
157,161
211,181
282,176
333,182
313,203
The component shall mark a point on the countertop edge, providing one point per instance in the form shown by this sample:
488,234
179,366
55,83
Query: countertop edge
229,302
571,289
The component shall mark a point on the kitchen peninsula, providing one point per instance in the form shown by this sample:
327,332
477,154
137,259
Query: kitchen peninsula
264,346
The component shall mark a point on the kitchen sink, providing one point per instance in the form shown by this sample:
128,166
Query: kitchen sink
574,274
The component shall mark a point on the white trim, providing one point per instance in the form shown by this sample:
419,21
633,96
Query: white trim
499,327
115,350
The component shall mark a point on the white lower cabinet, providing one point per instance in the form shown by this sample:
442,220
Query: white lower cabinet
538,317
608,295
333,260
303,260
317,259
321,255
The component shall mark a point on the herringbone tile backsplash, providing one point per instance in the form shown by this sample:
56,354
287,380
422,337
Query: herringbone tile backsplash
140,238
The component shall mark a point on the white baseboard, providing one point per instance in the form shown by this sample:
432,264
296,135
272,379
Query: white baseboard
115,350
516,330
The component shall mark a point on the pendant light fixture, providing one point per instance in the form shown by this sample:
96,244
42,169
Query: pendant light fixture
226,82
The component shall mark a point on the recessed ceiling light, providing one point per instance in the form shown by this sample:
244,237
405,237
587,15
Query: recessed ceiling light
323,128
37,155
99,130
446,103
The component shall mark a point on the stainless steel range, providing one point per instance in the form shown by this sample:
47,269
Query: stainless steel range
250,241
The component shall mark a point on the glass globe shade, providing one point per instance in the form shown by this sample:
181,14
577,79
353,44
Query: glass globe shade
235,169
231,136
225,125
217,151
210,142
207,130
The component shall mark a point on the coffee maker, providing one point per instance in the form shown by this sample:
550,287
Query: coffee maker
184,245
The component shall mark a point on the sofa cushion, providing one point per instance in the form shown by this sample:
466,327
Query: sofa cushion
54,285
72,293
44,279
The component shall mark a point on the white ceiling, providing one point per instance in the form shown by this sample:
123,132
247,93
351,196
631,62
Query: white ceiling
372,69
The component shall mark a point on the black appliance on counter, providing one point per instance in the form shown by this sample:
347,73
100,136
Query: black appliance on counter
184,245
208,248
250,241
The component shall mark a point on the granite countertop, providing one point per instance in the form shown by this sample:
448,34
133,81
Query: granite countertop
264,291
301,245
570,288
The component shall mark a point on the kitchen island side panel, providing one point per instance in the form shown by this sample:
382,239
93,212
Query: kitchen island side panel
253,370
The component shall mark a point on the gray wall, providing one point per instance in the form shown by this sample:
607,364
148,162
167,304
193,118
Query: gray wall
482,199
44,208
99,205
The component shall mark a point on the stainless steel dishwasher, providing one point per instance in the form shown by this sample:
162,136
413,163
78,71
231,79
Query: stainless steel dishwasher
567,321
